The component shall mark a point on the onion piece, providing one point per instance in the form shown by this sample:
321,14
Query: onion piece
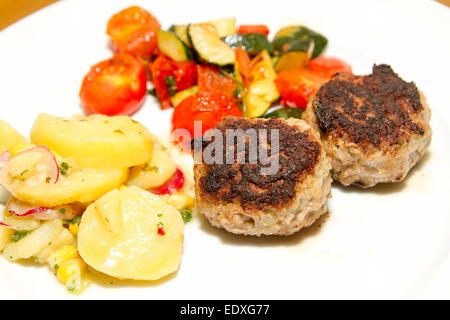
4,158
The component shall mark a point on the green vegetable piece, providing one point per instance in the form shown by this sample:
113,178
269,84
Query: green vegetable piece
253,43
186,214
285,113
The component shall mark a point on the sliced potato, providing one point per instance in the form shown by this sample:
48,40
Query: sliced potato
153,173
80,185
5,236
138,251
9,137
34,242
96,141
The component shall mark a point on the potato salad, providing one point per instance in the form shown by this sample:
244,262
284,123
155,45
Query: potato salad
92,192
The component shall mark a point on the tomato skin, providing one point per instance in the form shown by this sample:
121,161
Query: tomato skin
296,86
328,66
211,81
184,74
116,86
260,28
133,30
208,108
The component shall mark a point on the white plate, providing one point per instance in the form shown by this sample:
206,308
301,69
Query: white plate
386,242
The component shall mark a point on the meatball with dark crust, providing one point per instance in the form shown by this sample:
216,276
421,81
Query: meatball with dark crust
242,199
374,128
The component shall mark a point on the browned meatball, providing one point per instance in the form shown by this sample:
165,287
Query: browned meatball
374,128
241,199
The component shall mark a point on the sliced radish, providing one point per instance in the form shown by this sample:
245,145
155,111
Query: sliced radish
173,184
10,226
23,209
4,158
46,168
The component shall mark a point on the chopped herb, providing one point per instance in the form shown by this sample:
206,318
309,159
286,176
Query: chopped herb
23,172
134,121
16,236
49,243
150,168
107,220
56,267
76,220
186,214
48,179
62,211
171,84
160,224
159,214
119,131
35,259
237,93
63,167
152,92
65,222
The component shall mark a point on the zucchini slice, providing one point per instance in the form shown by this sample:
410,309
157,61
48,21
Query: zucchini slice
173,47
295,33
253,43
181,32
183,94
285,113
224,27
292,60
208,46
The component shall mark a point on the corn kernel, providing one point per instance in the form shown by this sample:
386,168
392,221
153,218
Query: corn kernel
60,256
179,200
69,269
74,229
18,148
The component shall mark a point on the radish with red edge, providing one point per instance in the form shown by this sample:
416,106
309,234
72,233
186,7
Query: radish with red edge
35,164
173,184
23,209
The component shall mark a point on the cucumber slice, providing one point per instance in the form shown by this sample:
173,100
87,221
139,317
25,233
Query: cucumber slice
183,94
173,47
208,46
253,43
224,27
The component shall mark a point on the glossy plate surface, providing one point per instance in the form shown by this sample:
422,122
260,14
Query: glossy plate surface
391,241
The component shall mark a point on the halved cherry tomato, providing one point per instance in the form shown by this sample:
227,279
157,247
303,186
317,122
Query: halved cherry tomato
133,30
169,77
211,81
175,183
114,86
207,108
244,63
296,86
328,66
253,29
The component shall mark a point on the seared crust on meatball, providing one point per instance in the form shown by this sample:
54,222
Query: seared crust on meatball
374,128
241,199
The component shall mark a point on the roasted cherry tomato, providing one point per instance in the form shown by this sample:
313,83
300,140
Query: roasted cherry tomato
296,86
169,77
116,86
328,66
253,29
207,108
133,30
211,81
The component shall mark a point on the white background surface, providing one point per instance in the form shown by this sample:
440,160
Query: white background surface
391,241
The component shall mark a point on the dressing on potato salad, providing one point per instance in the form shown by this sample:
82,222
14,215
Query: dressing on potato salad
92,192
